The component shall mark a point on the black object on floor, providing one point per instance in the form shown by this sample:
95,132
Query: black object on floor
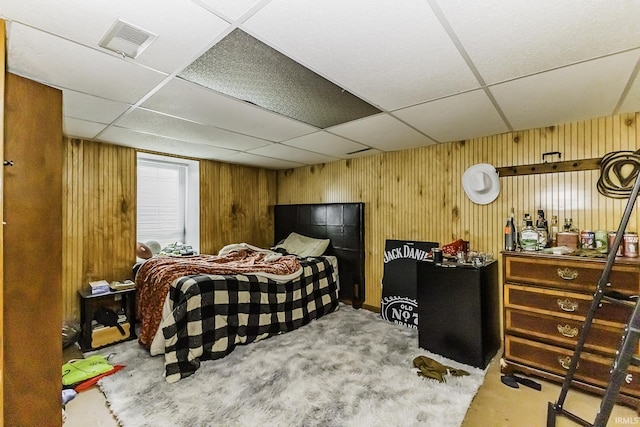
512,380
529,383
509,380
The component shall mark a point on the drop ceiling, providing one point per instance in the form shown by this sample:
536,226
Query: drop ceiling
419,72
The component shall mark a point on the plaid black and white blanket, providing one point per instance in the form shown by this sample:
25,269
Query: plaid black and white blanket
213,313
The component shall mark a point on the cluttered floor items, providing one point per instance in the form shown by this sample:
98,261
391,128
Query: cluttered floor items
82,374
513,381
430,368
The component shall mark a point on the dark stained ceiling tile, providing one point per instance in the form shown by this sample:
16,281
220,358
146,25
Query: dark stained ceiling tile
245,68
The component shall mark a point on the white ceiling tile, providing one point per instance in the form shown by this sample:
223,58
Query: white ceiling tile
291,154
262,162
184,28
84,129
92,108
63,64
152,122
392,54
578,92
459,117
508,39
383,132
129,138
192,102
233,9
325,143
631,102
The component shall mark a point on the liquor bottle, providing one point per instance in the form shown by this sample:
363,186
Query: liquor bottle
543,230
515,234
529,235
554,230
509,235
568,224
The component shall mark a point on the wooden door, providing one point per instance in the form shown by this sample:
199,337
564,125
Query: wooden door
3,66
32,245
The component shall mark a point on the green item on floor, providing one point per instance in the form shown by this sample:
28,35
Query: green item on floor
79,370
430,368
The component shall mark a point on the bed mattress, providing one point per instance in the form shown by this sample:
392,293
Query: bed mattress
206,316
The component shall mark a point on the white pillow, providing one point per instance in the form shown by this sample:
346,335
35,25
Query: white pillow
304,246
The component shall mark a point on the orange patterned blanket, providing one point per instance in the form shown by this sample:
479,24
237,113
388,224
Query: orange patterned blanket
155,276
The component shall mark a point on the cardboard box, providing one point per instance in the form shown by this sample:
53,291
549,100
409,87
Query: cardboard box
99,287
569,239
108,335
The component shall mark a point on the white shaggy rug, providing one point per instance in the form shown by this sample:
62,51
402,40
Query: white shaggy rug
349,368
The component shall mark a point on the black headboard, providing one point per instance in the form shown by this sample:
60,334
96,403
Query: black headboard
343,223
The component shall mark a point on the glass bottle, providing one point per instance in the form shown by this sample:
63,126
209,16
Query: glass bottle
554,230
516,234
543,230
568,224
529,235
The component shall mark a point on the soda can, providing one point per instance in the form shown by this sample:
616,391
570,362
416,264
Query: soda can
601,241
631,245
611,238
588,239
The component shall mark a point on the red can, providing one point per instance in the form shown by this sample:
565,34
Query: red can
611,237
631,245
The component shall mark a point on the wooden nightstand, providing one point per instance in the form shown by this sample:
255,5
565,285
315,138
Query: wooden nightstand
122,302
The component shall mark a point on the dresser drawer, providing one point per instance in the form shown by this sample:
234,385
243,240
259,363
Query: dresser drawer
570,274
563,332
592,369
570,305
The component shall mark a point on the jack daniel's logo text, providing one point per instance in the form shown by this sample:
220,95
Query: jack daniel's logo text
405,251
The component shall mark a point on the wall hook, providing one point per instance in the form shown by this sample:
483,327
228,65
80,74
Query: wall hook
8,162
551,153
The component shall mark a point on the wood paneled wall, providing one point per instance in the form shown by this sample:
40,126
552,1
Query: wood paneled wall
99,222
417,194
236,205
412,194
99,205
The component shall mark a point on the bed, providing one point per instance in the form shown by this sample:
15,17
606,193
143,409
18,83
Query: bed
200,312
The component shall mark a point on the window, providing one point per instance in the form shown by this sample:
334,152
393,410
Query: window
168,200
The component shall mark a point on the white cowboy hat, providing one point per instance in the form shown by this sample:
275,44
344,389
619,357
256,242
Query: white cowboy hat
481,183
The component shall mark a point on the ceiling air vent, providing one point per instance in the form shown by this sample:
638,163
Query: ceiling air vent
126,39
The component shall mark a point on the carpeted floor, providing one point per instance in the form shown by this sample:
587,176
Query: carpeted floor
349,368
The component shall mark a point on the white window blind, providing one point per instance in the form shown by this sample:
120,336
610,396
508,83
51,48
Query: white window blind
161,201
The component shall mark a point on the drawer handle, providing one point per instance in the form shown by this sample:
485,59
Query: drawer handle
567,273
568,331
567,305
565,362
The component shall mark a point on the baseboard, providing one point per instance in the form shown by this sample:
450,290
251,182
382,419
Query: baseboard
373,308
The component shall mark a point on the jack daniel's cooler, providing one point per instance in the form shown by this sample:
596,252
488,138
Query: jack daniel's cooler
399,303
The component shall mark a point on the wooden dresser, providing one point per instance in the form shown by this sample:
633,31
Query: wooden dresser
546,298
